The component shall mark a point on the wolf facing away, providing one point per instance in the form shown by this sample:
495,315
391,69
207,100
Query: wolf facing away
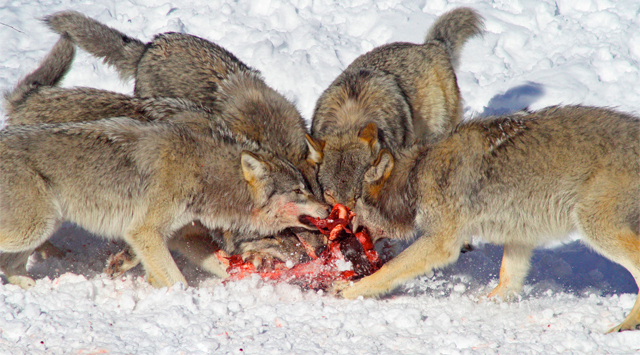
142,182
183,66
37,99
389,98
520,181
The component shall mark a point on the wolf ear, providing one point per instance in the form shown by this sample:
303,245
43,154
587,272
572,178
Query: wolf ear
253,167
316,150
369,135
381,168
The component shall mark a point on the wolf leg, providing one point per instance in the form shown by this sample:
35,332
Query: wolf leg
195,242
148,243
609,218
192,241
425,254
14,266
513,271
623,247
27,219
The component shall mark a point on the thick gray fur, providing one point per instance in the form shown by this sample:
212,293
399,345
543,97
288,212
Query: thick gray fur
521,181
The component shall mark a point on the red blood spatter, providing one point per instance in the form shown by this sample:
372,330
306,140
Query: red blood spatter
322,270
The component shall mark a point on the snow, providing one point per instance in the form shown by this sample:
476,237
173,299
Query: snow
535,53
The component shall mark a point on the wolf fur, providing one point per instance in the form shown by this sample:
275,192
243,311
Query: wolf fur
142,182
389,98
520,181
184,66
37,100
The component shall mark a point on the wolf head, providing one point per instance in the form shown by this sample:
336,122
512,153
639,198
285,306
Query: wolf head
343,161
362,111
387,206
261,114
281,196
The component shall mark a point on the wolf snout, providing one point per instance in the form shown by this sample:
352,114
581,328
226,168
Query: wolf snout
307,221
326,211
321,212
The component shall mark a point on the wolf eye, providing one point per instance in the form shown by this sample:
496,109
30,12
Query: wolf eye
298,191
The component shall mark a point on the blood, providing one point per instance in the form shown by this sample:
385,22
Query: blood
322,270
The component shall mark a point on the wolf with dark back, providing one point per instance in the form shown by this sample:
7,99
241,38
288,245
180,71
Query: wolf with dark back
224,88
34,99
142,182
389,98
520,181
183,66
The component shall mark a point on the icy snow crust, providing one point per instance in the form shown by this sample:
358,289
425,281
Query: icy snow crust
533,54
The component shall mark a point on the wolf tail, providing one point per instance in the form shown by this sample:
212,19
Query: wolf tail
117,49
50,72
454,28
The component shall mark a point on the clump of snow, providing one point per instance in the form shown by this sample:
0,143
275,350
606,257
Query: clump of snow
535,53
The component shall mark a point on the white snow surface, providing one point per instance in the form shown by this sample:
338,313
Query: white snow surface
535,53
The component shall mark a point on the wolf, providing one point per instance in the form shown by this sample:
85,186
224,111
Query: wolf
183,66
519,180
37,99
389,98
141,182
186,67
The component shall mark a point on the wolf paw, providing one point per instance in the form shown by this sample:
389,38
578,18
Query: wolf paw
217,264
23,281
118,264
627,324
339,286
503,294
261,260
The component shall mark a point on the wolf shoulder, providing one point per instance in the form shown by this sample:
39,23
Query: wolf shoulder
562,135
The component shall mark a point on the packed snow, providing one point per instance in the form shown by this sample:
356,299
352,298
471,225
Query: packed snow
535,53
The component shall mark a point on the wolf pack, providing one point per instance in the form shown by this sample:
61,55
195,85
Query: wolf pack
206,156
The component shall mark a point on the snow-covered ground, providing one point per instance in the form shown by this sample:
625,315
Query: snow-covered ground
535,53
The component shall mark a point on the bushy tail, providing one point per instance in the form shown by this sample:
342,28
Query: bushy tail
454,28
117,49
50,72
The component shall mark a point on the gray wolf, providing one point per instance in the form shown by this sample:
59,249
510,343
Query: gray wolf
519,180
186,67
140,181
389,98
183,66
179,115
37,99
